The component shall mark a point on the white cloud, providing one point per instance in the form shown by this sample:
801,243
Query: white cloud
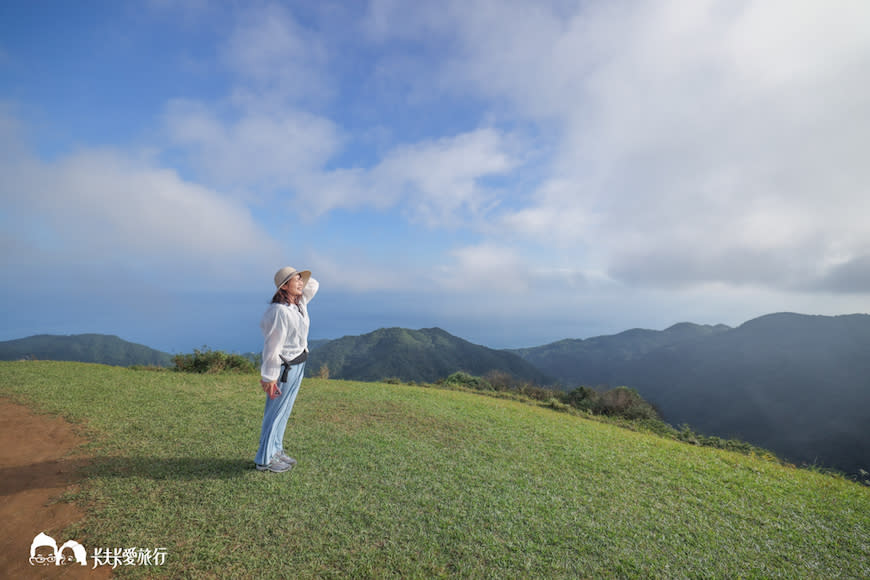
357,271
263,141
439,182
257,148
272,50
788,43
486,268
106,207
557,215
441,179
498,272
699,142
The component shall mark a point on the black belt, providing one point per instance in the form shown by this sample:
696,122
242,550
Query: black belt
286,364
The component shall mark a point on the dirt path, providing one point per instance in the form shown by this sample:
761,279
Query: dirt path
36,466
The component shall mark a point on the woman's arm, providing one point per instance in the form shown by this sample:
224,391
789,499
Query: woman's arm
310,290
274,327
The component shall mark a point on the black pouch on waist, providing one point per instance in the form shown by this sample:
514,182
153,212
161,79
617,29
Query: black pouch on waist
286,364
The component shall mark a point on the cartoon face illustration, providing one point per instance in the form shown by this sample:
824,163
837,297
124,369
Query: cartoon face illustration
44,550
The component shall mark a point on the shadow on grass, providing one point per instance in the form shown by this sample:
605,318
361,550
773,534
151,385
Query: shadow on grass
60,473
170,467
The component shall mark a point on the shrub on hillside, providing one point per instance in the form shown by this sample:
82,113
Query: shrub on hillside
501,381
537,393
463,379
583,398
626,403
212,361
618,402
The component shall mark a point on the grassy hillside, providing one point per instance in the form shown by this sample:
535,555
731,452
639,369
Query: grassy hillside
401,481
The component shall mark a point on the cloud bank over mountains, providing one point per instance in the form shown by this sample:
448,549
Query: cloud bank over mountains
604,164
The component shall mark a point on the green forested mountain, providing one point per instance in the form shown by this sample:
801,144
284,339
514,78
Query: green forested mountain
317,343
414,355
798,385
95,348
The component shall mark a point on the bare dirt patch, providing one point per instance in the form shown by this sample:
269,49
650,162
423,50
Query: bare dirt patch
37,465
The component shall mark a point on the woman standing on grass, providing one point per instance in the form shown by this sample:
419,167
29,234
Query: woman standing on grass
285,348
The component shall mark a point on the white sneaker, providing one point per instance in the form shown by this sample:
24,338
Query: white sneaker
275,466
282,456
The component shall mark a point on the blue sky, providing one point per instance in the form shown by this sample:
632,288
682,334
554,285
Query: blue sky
513,172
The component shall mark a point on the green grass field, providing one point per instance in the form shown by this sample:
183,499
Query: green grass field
412,482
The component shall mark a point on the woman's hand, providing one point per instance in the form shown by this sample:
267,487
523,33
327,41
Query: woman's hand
271,388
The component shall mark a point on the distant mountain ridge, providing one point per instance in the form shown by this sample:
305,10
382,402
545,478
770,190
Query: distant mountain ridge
593,361
93,348
424,355
796,384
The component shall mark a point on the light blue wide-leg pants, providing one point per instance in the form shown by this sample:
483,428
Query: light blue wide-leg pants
276,414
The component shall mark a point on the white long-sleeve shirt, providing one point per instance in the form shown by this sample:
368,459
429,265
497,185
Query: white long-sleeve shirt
285,332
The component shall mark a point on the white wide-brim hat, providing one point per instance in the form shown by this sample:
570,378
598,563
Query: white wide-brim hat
284,274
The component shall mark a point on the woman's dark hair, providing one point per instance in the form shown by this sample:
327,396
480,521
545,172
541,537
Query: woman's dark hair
282,296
